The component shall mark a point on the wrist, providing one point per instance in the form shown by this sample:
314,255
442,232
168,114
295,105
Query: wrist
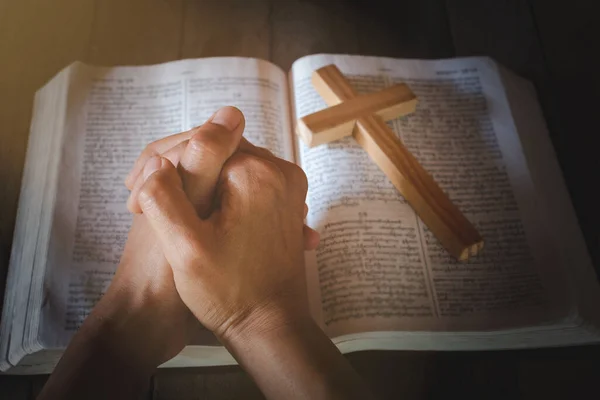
124,327
294,356
264,326
100,352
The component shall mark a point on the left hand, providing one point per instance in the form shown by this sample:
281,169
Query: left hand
197,155
137,325
142,308
142,304
141,321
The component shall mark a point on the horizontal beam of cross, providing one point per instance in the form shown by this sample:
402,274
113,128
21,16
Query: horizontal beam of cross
431,204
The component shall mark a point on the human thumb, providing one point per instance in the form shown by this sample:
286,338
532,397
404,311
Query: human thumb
208,149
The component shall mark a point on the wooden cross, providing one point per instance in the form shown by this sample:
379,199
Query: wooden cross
364,118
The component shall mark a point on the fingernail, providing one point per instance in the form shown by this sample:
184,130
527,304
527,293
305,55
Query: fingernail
152,165
228,117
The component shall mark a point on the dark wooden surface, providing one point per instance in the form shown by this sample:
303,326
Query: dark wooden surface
548,44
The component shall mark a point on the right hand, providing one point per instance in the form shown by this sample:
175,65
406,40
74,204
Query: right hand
199,155
242,268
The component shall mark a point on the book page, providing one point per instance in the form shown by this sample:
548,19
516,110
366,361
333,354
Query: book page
113,113
378,265
36,195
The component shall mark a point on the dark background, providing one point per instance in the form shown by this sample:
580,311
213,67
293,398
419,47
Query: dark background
553,44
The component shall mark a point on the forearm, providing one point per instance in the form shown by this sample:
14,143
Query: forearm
297,361
105,359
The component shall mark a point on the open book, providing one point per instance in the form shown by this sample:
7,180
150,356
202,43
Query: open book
379,279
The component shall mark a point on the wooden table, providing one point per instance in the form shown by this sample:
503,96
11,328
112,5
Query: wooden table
548,44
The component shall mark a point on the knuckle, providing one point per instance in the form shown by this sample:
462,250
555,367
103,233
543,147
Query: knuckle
236,167
150,149
264,152
254,172
267,173
153,192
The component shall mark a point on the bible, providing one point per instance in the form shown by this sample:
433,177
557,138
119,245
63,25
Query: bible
379,279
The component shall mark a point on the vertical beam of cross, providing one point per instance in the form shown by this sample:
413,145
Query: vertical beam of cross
384,147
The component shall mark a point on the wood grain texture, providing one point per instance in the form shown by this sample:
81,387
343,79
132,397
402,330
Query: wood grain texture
567,48
215,383
479,27
15,387
302,27
395,374
178,384
338,121
136,32
407,29
474,375
217,28
567,373
37,39
431,204
37,383
553,56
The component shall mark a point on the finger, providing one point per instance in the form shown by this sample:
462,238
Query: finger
152,150
247,147
294,174
132,201
211,145
173,154
171,215
311,238
288,168
244,180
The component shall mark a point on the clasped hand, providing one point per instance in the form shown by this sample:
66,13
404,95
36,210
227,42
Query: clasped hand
228,217
218,238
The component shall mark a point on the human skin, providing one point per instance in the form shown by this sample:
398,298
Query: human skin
220,241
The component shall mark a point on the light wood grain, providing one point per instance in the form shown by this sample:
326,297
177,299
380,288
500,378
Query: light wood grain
338,121
431,204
